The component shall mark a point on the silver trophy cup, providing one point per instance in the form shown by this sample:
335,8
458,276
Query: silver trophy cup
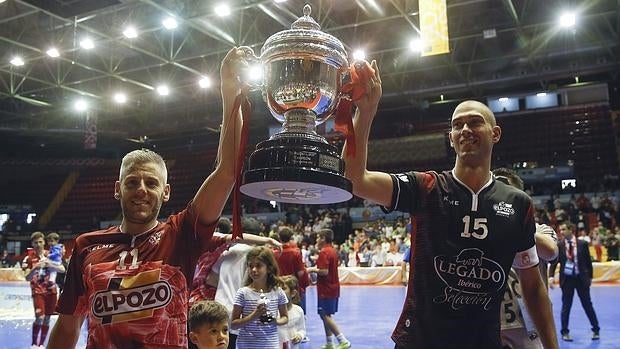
303,71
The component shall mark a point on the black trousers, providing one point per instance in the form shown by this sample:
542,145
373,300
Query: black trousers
572,283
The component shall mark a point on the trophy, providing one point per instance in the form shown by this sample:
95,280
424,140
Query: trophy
303,71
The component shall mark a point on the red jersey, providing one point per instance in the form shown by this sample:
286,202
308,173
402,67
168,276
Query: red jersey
290,262
40,281
328,286
134,289
200,290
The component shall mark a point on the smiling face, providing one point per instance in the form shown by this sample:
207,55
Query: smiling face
211,335
142,190
473,131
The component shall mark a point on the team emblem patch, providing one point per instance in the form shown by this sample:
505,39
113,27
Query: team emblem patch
504,209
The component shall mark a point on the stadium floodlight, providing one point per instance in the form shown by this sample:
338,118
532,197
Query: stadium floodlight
120,98
80,105
568,19
204,82
130,32
169,23
53,52
163,90
359,55
17,61
222,10
87,43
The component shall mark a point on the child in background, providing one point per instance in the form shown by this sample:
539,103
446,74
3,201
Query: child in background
328,290
294,331
55,253
257,303
208,325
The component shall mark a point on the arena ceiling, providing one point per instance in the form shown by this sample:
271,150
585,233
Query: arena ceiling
529,52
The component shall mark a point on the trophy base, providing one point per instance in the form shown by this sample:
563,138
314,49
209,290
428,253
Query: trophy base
296,169
292,185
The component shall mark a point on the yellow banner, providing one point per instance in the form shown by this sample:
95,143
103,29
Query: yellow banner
434,27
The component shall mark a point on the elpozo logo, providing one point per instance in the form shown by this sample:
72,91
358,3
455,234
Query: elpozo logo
131,298
504,209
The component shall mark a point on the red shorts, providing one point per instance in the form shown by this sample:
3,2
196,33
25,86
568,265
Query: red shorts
44,303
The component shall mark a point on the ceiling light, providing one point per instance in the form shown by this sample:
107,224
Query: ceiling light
416,45
52,52
87,43
1,1
169,23
279,1
359,55
567,20
204,82
541,94
120,98
80,105
17,61
222,10
130,32
503,100
163,90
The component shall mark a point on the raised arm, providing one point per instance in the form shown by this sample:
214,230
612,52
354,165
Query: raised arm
212,195
371,185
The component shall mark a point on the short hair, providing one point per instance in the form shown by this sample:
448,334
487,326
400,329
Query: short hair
327,234
37,235
479,106
250,225
568,225
224,226
293,284
53,236
285,234
142,156
504,174
206,312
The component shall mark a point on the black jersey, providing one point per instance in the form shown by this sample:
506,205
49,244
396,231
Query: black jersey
461,254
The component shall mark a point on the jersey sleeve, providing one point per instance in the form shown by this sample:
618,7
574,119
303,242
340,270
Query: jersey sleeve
526,256
408,189
73,291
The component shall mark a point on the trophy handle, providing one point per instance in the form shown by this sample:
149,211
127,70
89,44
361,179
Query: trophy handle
251,58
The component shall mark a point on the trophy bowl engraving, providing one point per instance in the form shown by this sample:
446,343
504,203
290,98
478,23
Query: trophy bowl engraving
303,71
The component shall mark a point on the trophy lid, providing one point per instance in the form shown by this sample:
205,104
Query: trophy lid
304,40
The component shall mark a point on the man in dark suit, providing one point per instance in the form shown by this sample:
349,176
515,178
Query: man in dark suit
575,274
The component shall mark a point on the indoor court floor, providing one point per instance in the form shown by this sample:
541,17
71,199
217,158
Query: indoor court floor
367,315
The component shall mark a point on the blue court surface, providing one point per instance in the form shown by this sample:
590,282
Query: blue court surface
367,315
